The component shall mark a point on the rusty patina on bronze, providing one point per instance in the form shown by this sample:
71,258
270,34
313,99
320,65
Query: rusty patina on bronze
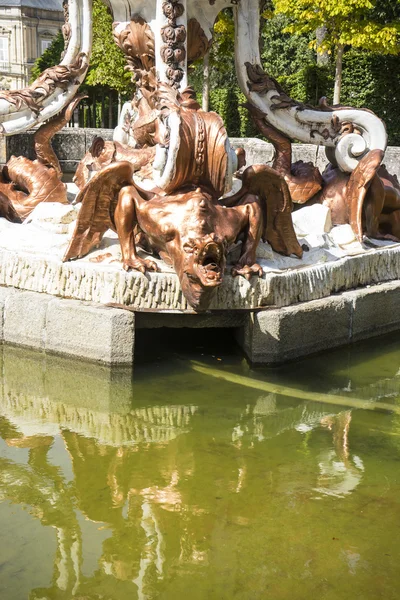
267,184
186,223
101,154
32,183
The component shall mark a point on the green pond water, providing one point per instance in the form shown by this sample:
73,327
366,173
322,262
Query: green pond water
197,477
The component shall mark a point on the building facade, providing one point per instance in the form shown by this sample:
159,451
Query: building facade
27,28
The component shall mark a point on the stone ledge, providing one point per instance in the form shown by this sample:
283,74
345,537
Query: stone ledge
91,331
270,336
110,284
273,336
68,327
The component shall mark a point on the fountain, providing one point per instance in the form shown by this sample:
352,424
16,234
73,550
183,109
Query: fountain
166,216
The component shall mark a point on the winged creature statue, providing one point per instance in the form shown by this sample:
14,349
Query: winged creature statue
164,183
186,223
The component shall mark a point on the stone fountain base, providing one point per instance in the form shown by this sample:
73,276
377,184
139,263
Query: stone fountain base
268,336
91,311
339,292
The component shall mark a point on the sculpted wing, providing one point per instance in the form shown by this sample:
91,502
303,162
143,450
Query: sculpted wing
363,179
273,192
98,198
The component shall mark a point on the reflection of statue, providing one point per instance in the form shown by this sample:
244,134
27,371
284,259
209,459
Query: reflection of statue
136,491
340,473
40,487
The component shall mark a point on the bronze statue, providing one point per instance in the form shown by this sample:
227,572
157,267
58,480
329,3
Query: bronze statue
164,183
185,223
25,183
188,229
368,198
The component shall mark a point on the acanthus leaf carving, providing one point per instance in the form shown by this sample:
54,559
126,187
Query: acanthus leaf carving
137,43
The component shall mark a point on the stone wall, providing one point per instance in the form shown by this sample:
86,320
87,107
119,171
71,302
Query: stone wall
72,144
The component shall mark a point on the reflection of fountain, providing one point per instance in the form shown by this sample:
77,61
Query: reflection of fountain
340,473
94,402
156,424
160,505
40,487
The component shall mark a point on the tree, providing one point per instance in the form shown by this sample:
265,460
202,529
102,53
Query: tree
106,78
357,23
107,63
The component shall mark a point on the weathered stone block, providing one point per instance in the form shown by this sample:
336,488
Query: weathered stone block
69,166
25,319
274,336
90,331
69,144
20,145
5,293
257,151
376,310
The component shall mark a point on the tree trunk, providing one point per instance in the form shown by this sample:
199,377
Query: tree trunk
119,105
206,81
103,108
322,57
94,124
338,74
110,109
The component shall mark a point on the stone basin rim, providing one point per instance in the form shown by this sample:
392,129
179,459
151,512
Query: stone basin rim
158,292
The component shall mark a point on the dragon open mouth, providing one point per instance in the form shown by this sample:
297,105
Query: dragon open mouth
210,264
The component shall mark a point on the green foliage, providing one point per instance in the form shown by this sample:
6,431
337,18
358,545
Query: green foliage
373,81
348,23
226,97
107,64
106,77
284,54
50,57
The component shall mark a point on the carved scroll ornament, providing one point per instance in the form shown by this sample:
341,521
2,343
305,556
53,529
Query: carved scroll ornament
21,110
310,125
136,40
368,198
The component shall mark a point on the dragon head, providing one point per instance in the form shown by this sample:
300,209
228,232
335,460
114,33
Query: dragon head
198,254
203,269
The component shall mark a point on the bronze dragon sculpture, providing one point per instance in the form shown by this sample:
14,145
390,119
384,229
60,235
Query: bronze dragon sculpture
187,224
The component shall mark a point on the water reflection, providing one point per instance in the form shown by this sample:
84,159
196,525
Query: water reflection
159,486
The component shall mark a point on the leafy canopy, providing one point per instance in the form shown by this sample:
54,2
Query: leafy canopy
107,63
356,23
50,57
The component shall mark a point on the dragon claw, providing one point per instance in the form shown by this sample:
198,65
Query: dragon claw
247,271
139,264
